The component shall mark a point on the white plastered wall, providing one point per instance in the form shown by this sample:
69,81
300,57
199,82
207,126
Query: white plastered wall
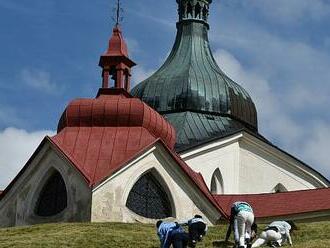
109,198
249,165
223,157
18,205
262,168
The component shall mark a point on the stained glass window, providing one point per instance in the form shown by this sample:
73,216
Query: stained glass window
148,198
53,197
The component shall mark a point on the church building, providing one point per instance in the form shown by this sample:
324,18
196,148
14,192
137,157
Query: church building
184,141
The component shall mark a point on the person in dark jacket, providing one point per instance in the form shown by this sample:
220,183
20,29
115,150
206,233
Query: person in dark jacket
197,228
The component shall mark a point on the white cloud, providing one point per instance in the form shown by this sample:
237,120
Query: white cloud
139,74
292,11
133,46
40,80
161,19
267,102
9,116
16,147
316,147
306,98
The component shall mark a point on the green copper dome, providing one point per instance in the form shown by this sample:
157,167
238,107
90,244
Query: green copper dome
190,89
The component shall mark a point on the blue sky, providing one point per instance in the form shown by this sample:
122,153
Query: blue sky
278,50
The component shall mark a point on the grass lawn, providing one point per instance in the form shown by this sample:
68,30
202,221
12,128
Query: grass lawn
316,235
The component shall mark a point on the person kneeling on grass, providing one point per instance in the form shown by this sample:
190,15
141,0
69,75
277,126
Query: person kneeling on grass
197,228
241,221
171,233
276,234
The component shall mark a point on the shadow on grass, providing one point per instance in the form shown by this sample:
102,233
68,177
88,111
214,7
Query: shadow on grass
222,244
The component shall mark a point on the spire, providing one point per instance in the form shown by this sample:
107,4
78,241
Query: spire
117,13
115,63
193,10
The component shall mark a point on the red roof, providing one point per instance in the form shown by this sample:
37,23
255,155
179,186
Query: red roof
99,135
117,51
280,204
117,44
98,152
116,108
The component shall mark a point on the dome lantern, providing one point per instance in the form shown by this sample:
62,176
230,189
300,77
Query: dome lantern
115,63
197,10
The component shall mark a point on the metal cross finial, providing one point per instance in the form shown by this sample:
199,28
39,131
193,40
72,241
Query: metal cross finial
117,11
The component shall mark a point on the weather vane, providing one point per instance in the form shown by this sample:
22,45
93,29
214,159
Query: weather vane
118,13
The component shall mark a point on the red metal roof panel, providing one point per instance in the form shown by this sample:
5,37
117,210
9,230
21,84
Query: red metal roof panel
116,110
281,204
99,151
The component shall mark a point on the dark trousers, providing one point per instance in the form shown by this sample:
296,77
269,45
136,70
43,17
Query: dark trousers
180,240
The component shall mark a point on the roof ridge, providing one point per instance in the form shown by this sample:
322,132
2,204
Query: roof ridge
274,193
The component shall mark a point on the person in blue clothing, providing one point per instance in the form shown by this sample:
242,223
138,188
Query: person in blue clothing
171,233
241,221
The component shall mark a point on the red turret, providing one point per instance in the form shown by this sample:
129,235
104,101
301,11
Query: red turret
115,62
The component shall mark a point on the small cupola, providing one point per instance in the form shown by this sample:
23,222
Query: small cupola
115,63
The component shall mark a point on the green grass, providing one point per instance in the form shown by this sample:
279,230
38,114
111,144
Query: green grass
84,235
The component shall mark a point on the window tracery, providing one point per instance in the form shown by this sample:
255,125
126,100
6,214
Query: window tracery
148,198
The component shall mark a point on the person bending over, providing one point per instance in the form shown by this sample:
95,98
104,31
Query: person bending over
241,221
171,233
197,228
276,234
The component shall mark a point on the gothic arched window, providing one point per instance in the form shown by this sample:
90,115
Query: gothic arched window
53,196
148,198
217,182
